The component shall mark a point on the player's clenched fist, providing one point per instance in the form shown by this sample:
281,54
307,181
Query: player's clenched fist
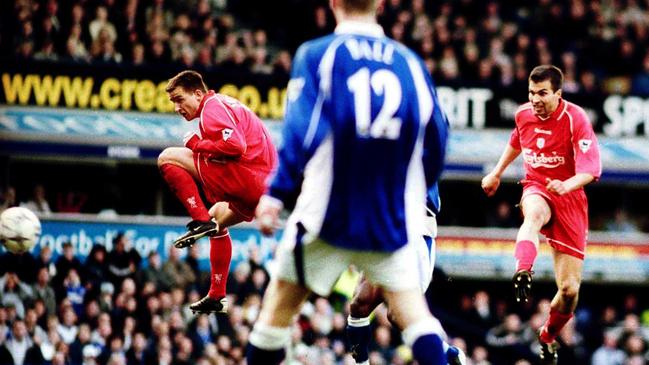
490,184
190,140
556,186
267,214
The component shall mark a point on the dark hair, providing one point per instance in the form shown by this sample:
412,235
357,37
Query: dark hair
359,6
548,72
187,80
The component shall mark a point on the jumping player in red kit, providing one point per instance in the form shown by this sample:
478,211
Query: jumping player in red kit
561,155
230,154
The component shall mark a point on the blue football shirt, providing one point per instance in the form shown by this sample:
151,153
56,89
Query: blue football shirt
363,142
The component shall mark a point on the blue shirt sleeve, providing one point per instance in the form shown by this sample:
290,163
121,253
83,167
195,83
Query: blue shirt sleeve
298,132
435,141
433,202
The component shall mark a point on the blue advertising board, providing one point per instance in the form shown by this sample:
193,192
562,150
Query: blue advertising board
145,238
461,251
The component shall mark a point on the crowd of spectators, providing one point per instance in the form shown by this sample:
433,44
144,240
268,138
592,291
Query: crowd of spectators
198,34
113,307
497,43
496,331
600,44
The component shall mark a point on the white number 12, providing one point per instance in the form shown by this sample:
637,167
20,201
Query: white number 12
382,82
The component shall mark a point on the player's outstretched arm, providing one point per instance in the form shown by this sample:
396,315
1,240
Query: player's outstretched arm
491,182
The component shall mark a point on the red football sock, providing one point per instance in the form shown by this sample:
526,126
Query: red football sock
554,325
182,184
220,255
525,254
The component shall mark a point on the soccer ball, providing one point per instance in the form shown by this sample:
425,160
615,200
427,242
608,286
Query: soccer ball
19,229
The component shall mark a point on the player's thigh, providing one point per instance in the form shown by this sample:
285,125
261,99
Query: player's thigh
568,269
537,207
398,270
282,301
569,229
224,215
179,156
313,263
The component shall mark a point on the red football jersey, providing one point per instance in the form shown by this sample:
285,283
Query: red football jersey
229,131
557,147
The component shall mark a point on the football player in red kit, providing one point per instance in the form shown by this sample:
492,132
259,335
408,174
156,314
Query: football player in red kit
561,155
230,154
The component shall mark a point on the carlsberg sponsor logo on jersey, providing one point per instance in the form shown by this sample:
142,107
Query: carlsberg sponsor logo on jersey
541,160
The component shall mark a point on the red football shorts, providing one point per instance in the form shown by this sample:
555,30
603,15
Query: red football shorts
239,185
567,230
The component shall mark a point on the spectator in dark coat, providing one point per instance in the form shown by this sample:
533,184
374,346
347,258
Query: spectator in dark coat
123,260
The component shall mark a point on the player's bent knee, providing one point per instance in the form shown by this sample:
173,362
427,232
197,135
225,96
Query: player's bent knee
179,156
166,156
219,210
536,212
536,209
569,289
537,216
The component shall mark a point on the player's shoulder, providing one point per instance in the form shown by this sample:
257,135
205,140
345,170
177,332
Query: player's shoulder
402,51
577,116
226,100
523,111
575,112
212,101
314,48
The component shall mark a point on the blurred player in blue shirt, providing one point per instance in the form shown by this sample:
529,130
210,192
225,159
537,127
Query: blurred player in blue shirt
364,140
367,296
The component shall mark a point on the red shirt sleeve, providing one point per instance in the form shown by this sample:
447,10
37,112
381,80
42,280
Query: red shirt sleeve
222,133
585,145
515,139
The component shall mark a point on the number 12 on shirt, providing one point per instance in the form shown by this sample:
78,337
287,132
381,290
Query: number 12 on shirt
383,83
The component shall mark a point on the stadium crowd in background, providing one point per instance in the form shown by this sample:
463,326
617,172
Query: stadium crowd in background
487,43
72,312
155,33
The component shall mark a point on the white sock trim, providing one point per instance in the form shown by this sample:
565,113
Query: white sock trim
358,322
270,338
425,326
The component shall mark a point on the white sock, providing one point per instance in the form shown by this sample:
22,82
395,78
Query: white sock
270,338
358,322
